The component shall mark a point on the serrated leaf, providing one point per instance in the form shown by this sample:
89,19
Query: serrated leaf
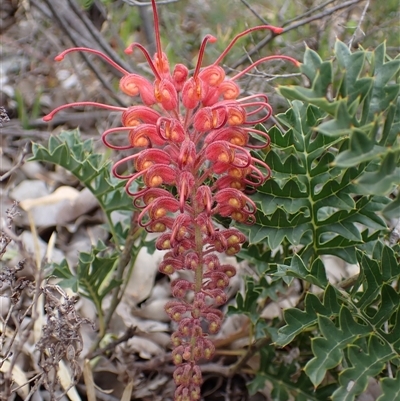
328,350
390,388
365,363
90,168
297,320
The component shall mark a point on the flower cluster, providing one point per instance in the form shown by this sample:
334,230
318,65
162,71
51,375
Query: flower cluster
192,138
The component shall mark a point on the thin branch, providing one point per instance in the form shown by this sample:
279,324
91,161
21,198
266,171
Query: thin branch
359,24
309,12
302,22
251,350
124,260
97,36
74,38
125,337
254,12
19,163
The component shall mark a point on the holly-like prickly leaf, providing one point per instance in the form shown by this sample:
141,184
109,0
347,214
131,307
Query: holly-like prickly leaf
390,388
91,169
328,350
91,277
365,362
298,321
310,201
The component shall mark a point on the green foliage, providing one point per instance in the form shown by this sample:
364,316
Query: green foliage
92,277
90,168
104,268
335,158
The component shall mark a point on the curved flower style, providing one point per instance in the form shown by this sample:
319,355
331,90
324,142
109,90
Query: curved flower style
192,139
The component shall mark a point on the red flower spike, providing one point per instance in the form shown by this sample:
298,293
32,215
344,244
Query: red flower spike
149,157
180,287
136,115
159,174
181,228
190,149
166,94
235,135
212,75
209,118
61,56
133,85
187,155
179,76
204,199
192,93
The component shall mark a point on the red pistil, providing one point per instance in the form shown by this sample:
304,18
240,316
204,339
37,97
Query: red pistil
271,28
157,30
207,38
51,115
129,50
263,60
61,56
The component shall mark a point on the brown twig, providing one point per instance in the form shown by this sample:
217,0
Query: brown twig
254,12
19,163
125,260
125,337
77,39
302,22
251,350
359,24
97,36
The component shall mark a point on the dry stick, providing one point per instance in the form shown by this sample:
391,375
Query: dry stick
27,331
124,260
359,24
264,21
19,163
309,12
251,350
91,65
148,28
112,27
98,37
125,337
305,21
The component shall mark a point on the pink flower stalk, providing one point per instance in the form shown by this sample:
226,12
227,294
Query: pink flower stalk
192,142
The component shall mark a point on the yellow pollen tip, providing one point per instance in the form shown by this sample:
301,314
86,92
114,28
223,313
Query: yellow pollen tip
155,181
234,202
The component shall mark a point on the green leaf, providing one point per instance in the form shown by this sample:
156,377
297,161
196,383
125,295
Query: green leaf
91,278
365,363
298,321
328,350
392,210
90,168
390,388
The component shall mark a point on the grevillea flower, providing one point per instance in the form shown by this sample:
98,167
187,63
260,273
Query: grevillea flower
191,140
